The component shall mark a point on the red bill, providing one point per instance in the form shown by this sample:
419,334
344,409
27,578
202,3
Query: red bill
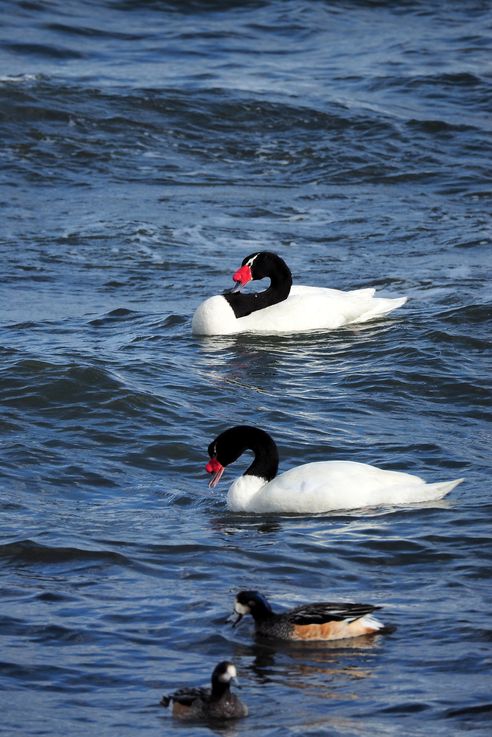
213,466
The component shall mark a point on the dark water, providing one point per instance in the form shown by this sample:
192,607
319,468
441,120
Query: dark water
146,148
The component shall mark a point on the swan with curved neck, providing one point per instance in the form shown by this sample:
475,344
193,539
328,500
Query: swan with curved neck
284,307
322,486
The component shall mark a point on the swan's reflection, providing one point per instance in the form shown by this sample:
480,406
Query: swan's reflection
252,361
309,343
324,528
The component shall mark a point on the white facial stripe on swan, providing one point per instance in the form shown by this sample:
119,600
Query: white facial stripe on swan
241,608
251,260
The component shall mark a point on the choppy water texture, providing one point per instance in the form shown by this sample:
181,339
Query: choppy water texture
146,148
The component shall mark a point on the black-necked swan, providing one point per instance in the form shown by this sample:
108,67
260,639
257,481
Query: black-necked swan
322,486
283,308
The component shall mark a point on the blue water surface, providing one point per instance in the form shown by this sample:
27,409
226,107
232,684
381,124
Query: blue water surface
147,147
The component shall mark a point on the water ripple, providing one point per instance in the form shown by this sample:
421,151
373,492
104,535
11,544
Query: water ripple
147,148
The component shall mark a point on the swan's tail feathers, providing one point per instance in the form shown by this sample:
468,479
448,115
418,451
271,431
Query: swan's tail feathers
381,306
397,302
441,488
366,292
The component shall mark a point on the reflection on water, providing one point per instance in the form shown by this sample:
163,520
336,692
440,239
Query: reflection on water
337,364
137,182
326,668
238,523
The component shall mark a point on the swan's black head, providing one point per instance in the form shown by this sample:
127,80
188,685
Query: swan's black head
230,444
251,602
260,265
225,449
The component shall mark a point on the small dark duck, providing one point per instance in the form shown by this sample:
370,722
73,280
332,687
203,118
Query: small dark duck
321,621
217,702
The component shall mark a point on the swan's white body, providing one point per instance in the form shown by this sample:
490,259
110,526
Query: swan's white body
306,308
331,485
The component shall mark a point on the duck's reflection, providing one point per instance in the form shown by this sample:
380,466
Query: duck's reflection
234,523
211,726
311,666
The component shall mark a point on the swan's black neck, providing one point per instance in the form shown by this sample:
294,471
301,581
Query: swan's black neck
232,443
265,264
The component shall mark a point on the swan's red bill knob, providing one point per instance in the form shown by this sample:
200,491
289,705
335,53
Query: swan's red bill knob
243,275
213,466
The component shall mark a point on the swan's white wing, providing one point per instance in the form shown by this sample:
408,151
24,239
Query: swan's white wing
306,308
313,308
335,485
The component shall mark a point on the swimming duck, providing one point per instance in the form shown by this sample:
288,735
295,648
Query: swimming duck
283,308
205,703
321,621
322,486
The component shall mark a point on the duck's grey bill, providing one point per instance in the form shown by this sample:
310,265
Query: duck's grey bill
236,621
